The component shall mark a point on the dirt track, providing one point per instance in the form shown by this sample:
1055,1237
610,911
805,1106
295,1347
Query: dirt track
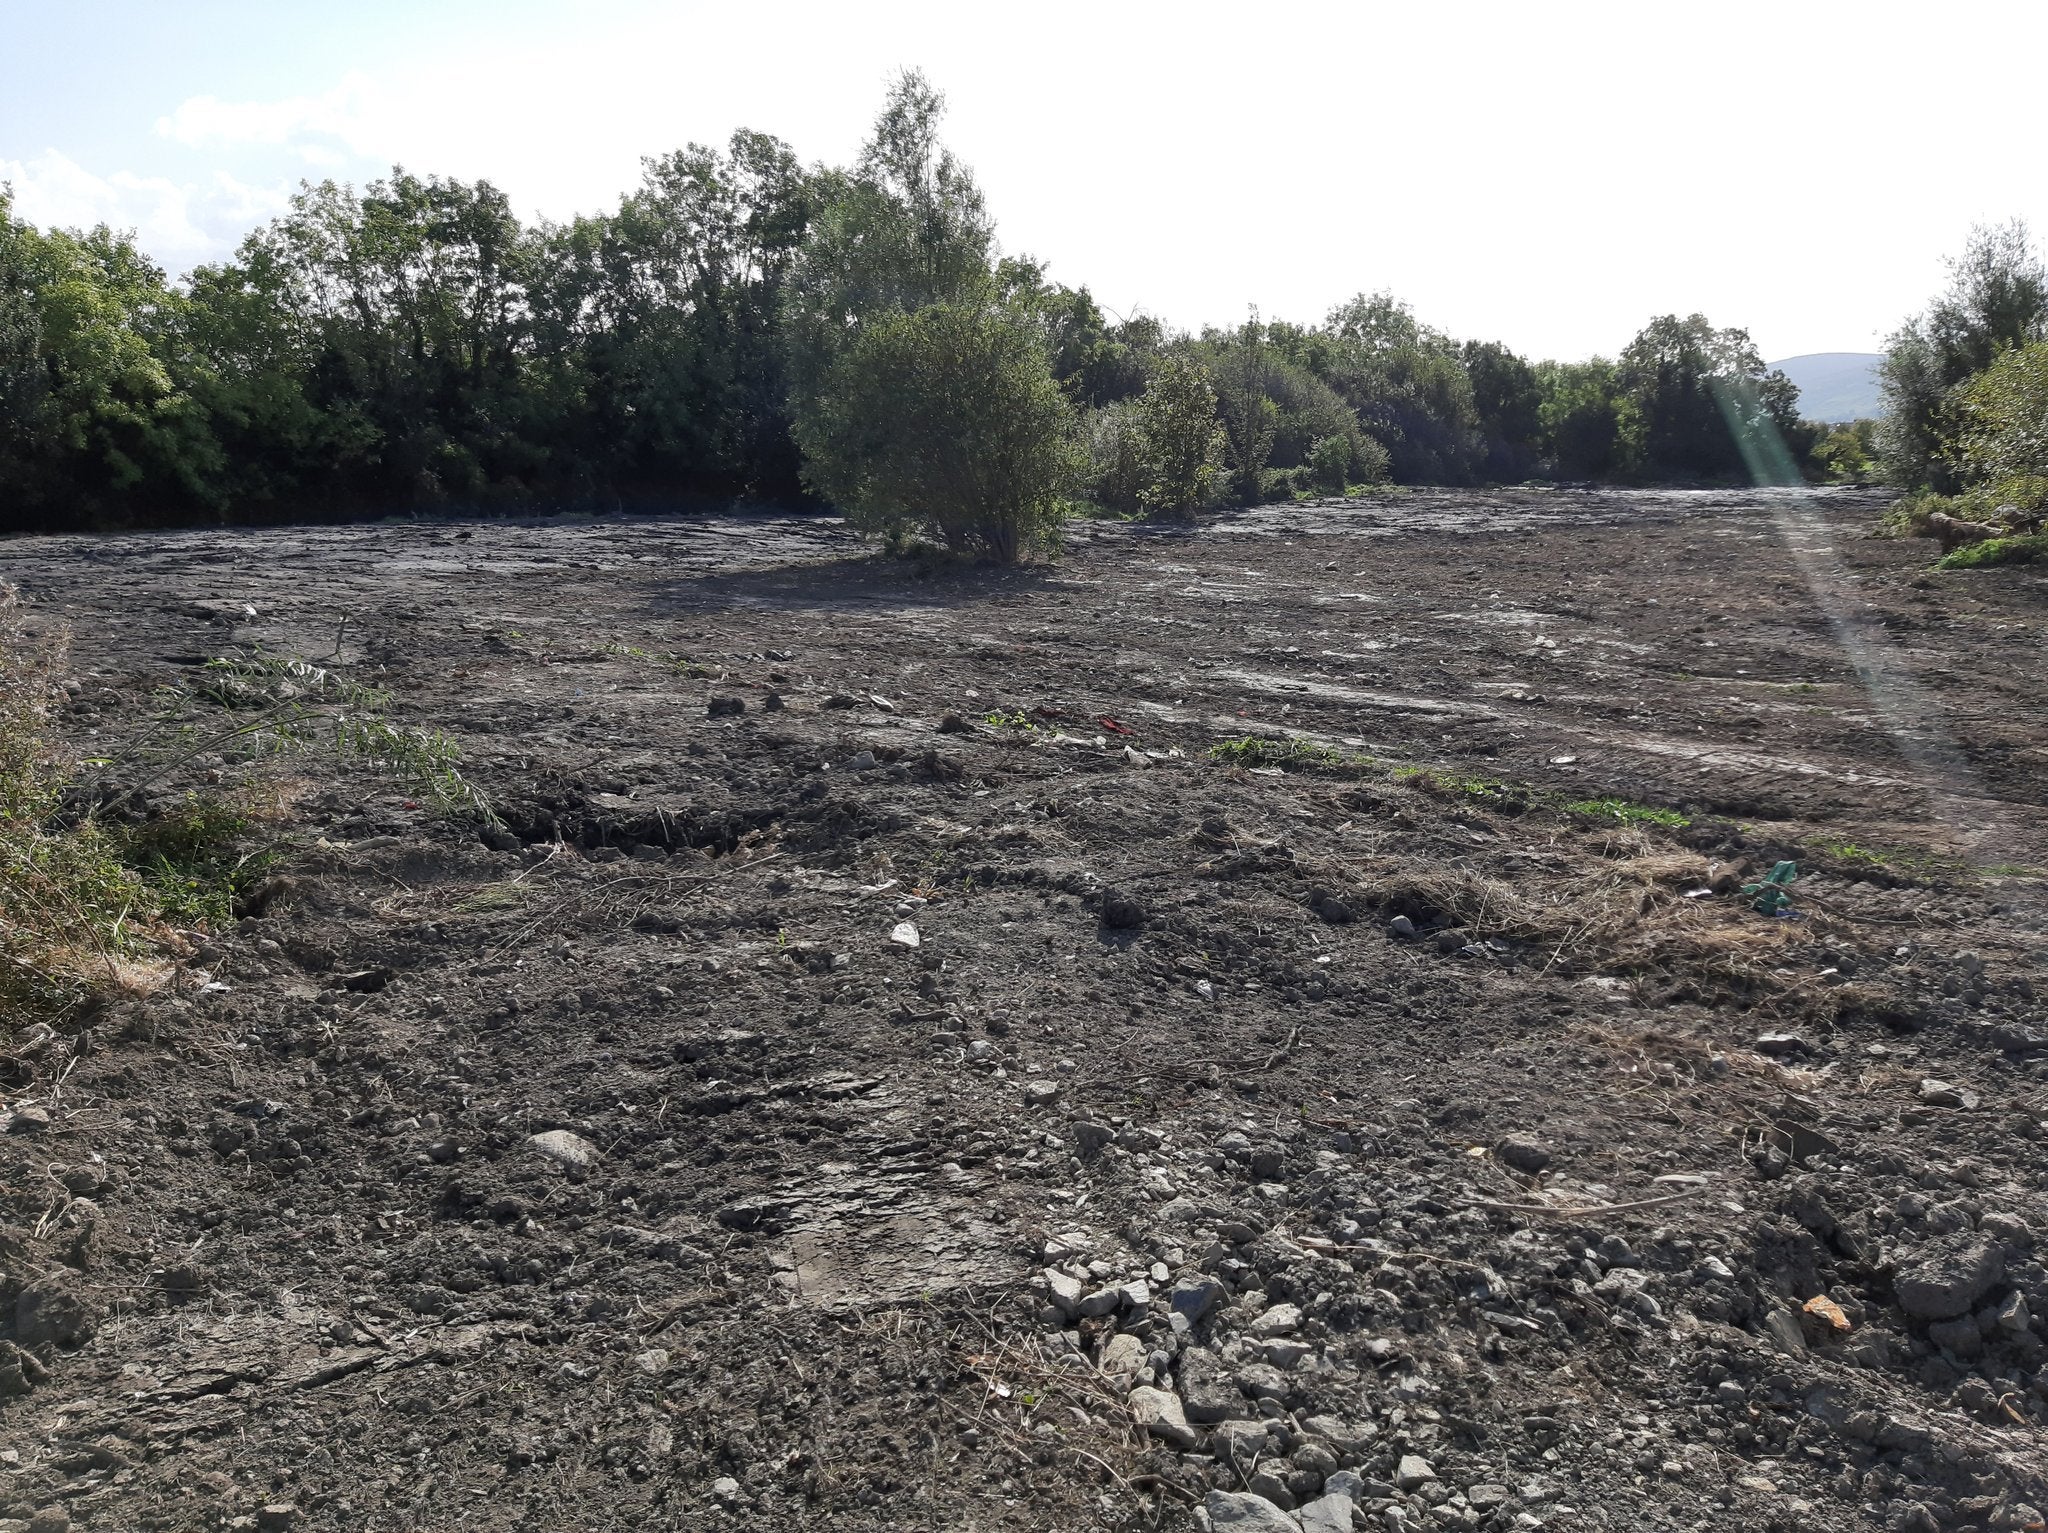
1312,1045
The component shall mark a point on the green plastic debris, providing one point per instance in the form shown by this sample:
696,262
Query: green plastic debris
1772,894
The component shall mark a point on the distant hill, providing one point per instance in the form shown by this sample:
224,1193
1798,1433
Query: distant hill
1835,385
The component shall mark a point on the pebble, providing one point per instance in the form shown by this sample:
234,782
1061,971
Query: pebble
566,1148
1413,1472
905,934
1280,1320
1524,1155
1401,926
1239,1511
1159,1412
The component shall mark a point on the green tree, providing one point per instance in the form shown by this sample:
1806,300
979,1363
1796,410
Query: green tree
946,420
1679,379
1996,299
1180,443
2002,417
1508,402
1580,417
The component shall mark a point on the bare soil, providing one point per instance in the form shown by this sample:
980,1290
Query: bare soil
1485,1161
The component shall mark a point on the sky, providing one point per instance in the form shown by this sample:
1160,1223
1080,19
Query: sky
1548,175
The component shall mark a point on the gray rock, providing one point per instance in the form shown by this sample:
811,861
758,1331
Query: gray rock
1235,1511
565,1148
1041,1093
1064,1291
1947,1276
1941,1094
1327,1514
1159,1413
1207,1389
1242,1444
1783,1327
1345,1436
1280,1320
864,761
1123,1356
1401,926
1413,1472
1270,1482
725,1489
1195,1296
1092,1136
1523,1154
1104,1301
1262,1381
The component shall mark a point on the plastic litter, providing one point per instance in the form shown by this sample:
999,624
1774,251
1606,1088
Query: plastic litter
1772,894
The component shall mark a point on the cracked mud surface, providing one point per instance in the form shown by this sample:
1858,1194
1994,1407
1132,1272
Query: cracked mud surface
620,1167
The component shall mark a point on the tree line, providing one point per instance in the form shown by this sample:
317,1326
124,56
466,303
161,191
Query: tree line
743,327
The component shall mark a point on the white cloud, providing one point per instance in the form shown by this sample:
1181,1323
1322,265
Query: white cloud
345,115
178,224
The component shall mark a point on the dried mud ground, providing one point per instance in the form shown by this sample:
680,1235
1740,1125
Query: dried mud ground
1344,1133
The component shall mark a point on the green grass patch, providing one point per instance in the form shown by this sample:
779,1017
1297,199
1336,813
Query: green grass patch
1017,720
1996,551
1288,755
1628,812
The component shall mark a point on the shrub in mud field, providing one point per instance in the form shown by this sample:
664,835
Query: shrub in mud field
1180,442
945,421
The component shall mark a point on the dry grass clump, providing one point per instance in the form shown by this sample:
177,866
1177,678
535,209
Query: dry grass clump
72,917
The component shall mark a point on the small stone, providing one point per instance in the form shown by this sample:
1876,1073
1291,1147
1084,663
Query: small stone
1159,1412
725,1489
653,1361
1041,1093
278,1514
1401,926
1064,1290
1413,1472
1326,1514
29,1120
1524,1155
1123,1356
863,761
1280,1320
1485,1496
1136,1295
1781,1045
1091,1136
1936,1093
565,1148
1784,1329
1194,1296
1237,1511
904,934
1104,1301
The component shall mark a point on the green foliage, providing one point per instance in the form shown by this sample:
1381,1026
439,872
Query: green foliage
945,421
1580,417
1629,813
1690,394
1996,300
1847,454
1995,551
1288,755
1178,444
2002,417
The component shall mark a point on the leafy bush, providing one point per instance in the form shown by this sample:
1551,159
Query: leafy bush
2002,417
1180,443
945,421
1117,472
